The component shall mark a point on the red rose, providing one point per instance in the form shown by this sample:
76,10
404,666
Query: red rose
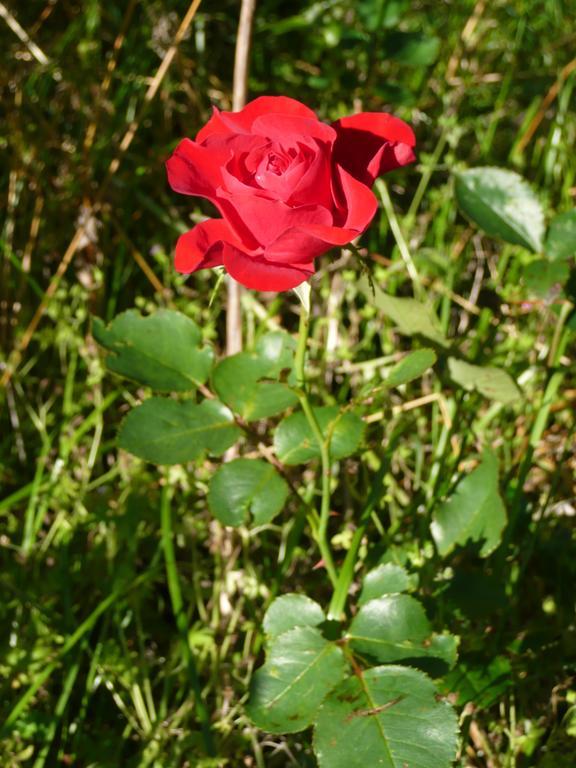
288,187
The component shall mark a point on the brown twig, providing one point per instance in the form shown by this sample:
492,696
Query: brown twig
23,36
546,102
239,92
465,40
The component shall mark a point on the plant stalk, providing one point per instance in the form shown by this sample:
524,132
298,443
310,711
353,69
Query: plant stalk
320,535
346,576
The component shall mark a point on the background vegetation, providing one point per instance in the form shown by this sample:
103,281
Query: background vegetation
91,669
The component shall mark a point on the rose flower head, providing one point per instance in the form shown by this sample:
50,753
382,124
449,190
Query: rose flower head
288,187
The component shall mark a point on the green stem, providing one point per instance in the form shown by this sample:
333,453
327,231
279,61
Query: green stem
340,596
180,615
400,239
320,534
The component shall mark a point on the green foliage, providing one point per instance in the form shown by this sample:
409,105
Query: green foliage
388,716
561,237
290,611
542,276
491,382
307,679
168,432
246,490
295,442
238,382
301,669
475,511
161,350
385,579
502,204
277,348
95,657
410,367
412,317
394,628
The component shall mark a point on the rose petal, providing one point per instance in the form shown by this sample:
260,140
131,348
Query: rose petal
315,184
201,247
263,220
261,275
194,170
303,244
241,122
288,127
360,202
372,143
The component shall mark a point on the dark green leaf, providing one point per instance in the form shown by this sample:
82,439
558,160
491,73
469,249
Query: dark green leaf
475,512
487,380
165,431
300,670
290,611
161,350
561,238
395,627
295,443
237,381
246,490
388,717
502,204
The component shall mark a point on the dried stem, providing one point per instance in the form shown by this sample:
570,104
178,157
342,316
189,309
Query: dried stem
240,89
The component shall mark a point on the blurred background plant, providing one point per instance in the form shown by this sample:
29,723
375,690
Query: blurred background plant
91,667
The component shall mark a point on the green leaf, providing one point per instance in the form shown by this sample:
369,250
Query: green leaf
395,627
300,670
502,204
290,611
410,367
475,512
295,443
388,717
386,579
542,276
561,238
411,316
491,382
161,350
277,348
246,489
165,431
237,381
